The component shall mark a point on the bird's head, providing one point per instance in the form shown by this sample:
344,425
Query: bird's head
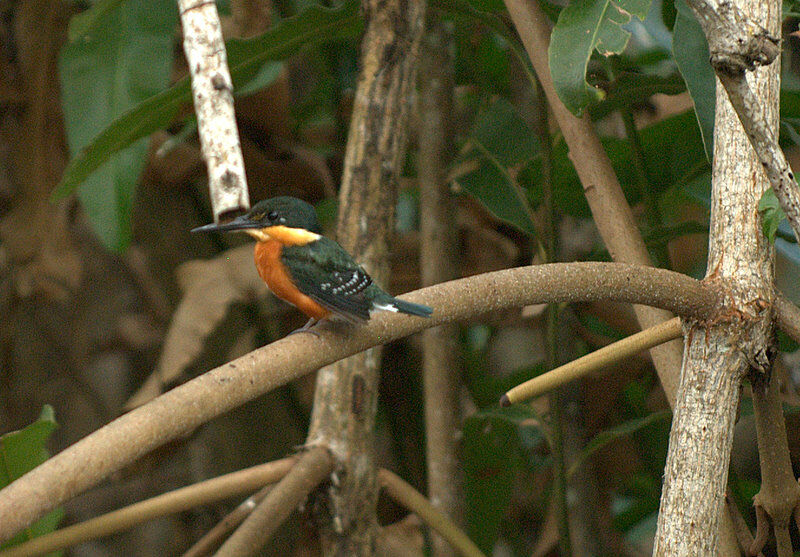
289,220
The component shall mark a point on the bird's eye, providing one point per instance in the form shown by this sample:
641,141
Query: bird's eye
273,215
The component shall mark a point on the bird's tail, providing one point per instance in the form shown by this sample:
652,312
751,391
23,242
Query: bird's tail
411,309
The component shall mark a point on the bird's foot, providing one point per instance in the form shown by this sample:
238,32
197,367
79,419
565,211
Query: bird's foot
307,328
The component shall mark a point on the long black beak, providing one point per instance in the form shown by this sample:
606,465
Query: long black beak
239,223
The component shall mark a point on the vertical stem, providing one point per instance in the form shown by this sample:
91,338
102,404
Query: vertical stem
610,210
345,400
212,91
780,492
640,166
439,263
551,330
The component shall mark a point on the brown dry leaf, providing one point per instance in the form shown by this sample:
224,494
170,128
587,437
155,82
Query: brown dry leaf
402,539
209,288
34,233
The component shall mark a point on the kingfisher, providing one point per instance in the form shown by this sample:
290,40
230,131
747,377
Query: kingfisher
313,273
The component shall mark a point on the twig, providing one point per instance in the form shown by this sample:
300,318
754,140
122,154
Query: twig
593,361
737,45
743,535
212,90
182,409
610,210
312,468
182,499
788,316
414,501
765,144
214,537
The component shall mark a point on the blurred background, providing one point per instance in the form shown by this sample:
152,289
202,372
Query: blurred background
108,300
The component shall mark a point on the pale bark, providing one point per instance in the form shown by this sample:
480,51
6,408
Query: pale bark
720,352
212,91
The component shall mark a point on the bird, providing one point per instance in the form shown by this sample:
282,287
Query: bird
308,270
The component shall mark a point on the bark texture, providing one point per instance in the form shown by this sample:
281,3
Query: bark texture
345,400
720,352
212,91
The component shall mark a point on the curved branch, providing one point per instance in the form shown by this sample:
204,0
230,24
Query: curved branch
668,330
416,502
312,468
182,409
612,215
208,491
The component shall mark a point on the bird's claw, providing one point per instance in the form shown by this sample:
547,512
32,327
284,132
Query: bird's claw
307,328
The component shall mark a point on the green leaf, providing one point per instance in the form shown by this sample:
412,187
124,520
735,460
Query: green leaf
503,135
771,214
605,437
502,142
668,13
245,57
495,443
483,13
492,187
126,59
583,27
264,77
672,149
691,54
631,89
20,452
84,22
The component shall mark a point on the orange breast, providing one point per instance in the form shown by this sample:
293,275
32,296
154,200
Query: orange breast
274,273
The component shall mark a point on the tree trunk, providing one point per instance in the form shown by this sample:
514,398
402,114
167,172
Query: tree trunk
345,400
718,354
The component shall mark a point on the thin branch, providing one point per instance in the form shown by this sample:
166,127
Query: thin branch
598,359
182,409
737,45
214,537
610,210
779,494
212,90
743,535
788,316
185,498
765,143
311,470
414,501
